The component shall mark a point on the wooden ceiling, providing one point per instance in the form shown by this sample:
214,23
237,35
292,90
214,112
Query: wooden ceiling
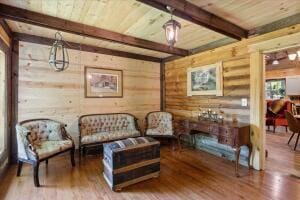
136,19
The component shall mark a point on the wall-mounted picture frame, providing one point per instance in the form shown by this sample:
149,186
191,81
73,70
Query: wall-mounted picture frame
205,80
103,82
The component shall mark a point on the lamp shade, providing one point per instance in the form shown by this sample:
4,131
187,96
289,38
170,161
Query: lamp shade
58,57
292,56
172,30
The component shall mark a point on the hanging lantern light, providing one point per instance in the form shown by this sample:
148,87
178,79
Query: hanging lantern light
171,29
59,58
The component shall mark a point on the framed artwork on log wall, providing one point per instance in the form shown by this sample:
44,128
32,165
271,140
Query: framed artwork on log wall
103,83
205,80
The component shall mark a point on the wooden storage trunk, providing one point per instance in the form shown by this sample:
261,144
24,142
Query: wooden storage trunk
130,161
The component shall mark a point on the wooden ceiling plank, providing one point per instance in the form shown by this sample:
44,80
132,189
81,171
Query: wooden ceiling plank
39,19
83,47
197,15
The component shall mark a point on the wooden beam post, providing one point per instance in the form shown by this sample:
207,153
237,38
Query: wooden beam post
197,15
22,15
162,86
14,98
83,47
257,108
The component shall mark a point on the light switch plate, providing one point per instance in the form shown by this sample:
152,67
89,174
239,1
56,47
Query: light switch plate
244,102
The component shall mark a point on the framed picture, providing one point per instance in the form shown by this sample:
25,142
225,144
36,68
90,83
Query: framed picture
205,80
101,83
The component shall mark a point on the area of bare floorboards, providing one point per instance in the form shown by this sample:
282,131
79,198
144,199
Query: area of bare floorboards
191,174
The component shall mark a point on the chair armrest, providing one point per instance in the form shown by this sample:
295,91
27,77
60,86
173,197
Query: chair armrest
65,134
25,147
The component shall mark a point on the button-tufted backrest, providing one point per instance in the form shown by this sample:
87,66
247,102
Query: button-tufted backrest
91,124
40,130
162,120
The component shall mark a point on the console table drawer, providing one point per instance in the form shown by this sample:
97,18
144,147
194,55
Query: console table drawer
226,140
226,132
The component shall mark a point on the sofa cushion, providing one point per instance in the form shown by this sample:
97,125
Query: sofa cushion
109,136
159,131
48,148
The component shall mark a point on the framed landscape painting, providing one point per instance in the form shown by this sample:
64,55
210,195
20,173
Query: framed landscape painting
205,80
101,83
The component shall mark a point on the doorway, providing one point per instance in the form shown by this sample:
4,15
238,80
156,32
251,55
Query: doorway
282,94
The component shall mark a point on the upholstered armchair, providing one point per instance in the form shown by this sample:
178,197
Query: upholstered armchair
275,115
160,124
40,139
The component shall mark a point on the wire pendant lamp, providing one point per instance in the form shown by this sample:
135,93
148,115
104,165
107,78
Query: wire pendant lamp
58,57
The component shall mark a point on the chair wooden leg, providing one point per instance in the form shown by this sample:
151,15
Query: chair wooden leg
274,127
47,162
179,144
20,165
72,152
286,129
296,141
291,138
36,174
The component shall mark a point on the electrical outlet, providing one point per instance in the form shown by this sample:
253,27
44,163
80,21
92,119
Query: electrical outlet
244,102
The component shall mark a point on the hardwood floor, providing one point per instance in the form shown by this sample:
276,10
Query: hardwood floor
191,174
282,158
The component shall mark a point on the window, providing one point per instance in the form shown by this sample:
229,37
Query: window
2,102
275,89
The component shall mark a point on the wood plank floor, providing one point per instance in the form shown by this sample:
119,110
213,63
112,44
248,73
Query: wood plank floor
282,157
191,174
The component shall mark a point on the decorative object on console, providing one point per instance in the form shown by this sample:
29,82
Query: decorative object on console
205,80
58,57
210,115
100,83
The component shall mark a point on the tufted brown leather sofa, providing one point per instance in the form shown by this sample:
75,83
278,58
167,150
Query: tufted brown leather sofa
96,129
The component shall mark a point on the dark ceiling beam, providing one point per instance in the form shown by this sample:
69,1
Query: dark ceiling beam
5,27
34,18
197,15
206,47
82,47
273,26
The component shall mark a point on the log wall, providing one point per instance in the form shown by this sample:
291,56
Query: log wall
236,74
60,95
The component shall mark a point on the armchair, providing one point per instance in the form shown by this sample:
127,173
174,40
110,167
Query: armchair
277,118
160,124
41,139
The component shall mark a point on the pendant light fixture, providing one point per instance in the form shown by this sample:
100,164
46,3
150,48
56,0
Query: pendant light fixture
171,28
292,56
59,58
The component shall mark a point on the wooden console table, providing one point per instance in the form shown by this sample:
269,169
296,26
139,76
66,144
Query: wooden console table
235,135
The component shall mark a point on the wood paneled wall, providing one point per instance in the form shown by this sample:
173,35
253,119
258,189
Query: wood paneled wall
236,74
60,95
